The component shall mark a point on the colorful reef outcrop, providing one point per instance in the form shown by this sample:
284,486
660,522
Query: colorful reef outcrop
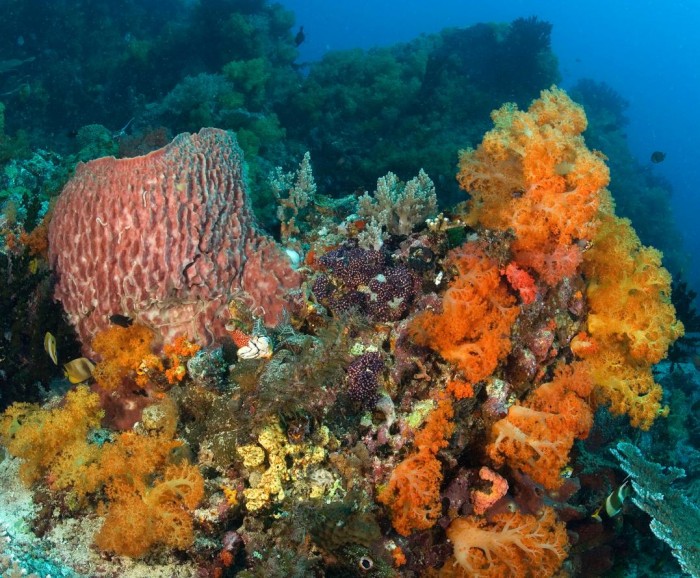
385,391
295,344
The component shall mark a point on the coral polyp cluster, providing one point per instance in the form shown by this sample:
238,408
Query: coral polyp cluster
413,412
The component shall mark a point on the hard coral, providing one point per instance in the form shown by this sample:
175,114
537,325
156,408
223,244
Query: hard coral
165,238
510,546
473,328
533,174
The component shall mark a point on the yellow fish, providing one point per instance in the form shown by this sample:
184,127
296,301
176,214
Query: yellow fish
78,370
50,347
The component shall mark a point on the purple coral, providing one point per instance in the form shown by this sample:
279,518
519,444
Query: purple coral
363,280
363,378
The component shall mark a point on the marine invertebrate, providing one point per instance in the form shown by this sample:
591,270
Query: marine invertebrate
632,321
42,436
412,493
511,545
533,174
121,351
473,328
170,237
398,207
537,435
139,519
363,378
363,280
482,500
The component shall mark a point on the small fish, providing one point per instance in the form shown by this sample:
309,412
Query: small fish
566,472
658,157
121,320
612,505
300,37
50,347
78,370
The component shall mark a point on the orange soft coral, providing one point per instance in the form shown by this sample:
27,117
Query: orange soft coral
139,519
413,491
51,441
537,435
631,323
473,329
121,350
534,175
512,545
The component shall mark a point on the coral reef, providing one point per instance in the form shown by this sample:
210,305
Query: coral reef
397,393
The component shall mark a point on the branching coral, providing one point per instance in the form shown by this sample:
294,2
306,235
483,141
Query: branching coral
513,545
398,207
473,328
533,174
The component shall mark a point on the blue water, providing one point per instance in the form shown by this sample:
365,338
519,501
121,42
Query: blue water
648,51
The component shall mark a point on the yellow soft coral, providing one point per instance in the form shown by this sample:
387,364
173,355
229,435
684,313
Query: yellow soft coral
631,323
533,174
52,441
121,351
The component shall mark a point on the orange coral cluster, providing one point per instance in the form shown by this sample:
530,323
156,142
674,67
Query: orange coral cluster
149,498
511,545
537,435
121,351
413,491
178,352
45,438
473,328
631,323
534,175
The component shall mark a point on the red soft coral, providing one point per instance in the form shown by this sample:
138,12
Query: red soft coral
512,545
473,329
537,436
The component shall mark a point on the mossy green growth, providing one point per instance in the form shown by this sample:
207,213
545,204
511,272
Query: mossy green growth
249,77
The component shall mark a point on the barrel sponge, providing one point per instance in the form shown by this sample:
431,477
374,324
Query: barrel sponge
167,239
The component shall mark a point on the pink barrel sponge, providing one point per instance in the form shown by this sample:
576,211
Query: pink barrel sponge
166,239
